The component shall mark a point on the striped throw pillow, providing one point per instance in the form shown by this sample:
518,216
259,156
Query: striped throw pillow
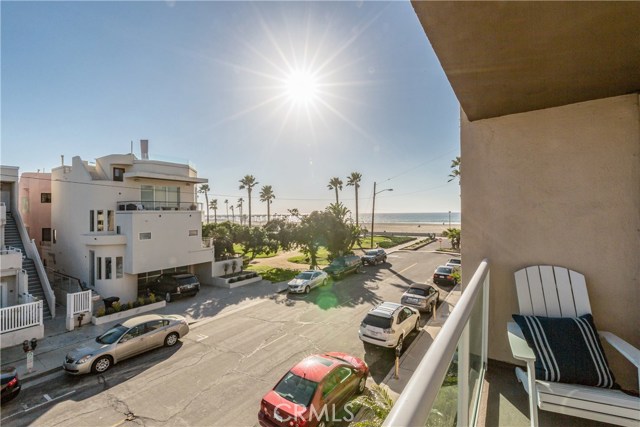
567,349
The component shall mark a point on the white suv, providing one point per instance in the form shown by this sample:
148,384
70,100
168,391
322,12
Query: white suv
388,324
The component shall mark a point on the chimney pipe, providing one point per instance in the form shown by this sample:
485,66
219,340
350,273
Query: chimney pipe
144,149
62,159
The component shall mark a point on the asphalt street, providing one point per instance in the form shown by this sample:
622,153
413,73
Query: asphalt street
218,373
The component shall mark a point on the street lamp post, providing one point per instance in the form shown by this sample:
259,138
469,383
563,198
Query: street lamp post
449,219
373,209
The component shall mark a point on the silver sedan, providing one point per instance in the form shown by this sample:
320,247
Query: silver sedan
307,280
135,336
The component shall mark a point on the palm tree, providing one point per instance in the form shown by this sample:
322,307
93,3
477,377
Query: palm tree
456,165
376,404
226,202
354,181
239,206
214,206
204,188
266,195
248,182
335,183
233,215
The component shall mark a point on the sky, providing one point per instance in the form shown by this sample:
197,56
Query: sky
293,93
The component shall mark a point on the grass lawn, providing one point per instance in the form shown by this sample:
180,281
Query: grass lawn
383,241
321,257
273,274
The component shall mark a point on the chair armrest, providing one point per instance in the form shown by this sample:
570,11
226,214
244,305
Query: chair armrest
627,350
519,347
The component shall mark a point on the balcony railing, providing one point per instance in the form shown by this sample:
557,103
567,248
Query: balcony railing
140,205
445,388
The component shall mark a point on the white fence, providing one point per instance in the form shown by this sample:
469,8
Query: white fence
20,316
79,302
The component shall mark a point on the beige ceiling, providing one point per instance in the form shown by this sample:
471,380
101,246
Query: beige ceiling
510,57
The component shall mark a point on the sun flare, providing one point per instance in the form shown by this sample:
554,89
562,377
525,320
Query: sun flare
301,87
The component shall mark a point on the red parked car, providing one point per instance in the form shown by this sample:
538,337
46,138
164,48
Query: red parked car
314,391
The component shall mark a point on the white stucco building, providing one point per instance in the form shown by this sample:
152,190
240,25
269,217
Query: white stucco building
123,220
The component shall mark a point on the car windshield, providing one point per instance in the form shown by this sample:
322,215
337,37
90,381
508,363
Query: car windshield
296,389
377,321
443,270
112,335
304,276
187,280
417,291
372,253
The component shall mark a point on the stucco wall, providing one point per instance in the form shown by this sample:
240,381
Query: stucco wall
558,186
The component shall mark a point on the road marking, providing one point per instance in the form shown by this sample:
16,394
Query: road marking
46,396
402,271
202,337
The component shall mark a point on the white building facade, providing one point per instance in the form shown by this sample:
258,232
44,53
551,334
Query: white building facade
122,221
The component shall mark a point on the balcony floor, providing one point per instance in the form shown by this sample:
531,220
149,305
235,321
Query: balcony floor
505,403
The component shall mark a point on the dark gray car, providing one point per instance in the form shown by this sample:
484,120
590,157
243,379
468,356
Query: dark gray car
421,296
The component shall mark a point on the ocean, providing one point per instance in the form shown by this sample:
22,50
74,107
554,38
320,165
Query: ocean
414,218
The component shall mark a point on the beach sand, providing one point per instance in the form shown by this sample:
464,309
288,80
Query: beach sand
409,229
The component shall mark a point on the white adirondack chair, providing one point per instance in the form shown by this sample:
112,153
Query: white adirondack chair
552,291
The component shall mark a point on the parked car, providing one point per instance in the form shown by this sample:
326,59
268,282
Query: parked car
313,391
421,296
10,383
388,324
343,265
374,257
175,285
454,262
443,275
308,280
136,335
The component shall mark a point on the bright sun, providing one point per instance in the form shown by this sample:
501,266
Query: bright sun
301,87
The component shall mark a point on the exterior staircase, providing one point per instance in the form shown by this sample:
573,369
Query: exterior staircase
12,238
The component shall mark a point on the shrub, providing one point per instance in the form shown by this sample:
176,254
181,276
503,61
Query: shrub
152,298
100,312
110,310
140,301
116,306
130,305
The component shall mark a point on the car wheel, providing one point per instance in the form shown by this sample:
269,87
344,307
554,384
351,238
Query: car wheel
171,339
417,327
399,344
167,297
362,385
102,364
307,289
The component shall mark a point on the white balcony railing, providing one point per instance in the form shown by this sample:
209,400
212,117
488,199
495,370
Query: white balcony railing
446,387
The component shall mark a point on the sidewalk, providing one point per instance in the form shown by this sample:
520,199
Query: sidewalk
209,303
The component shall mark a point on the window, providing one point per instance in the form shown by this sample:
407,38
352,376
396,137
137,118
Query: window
100,220
193,232
152,326
118,174
45,197
107,268
110,221
99,268
46,234
144,236
118,267
159,196
92,219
